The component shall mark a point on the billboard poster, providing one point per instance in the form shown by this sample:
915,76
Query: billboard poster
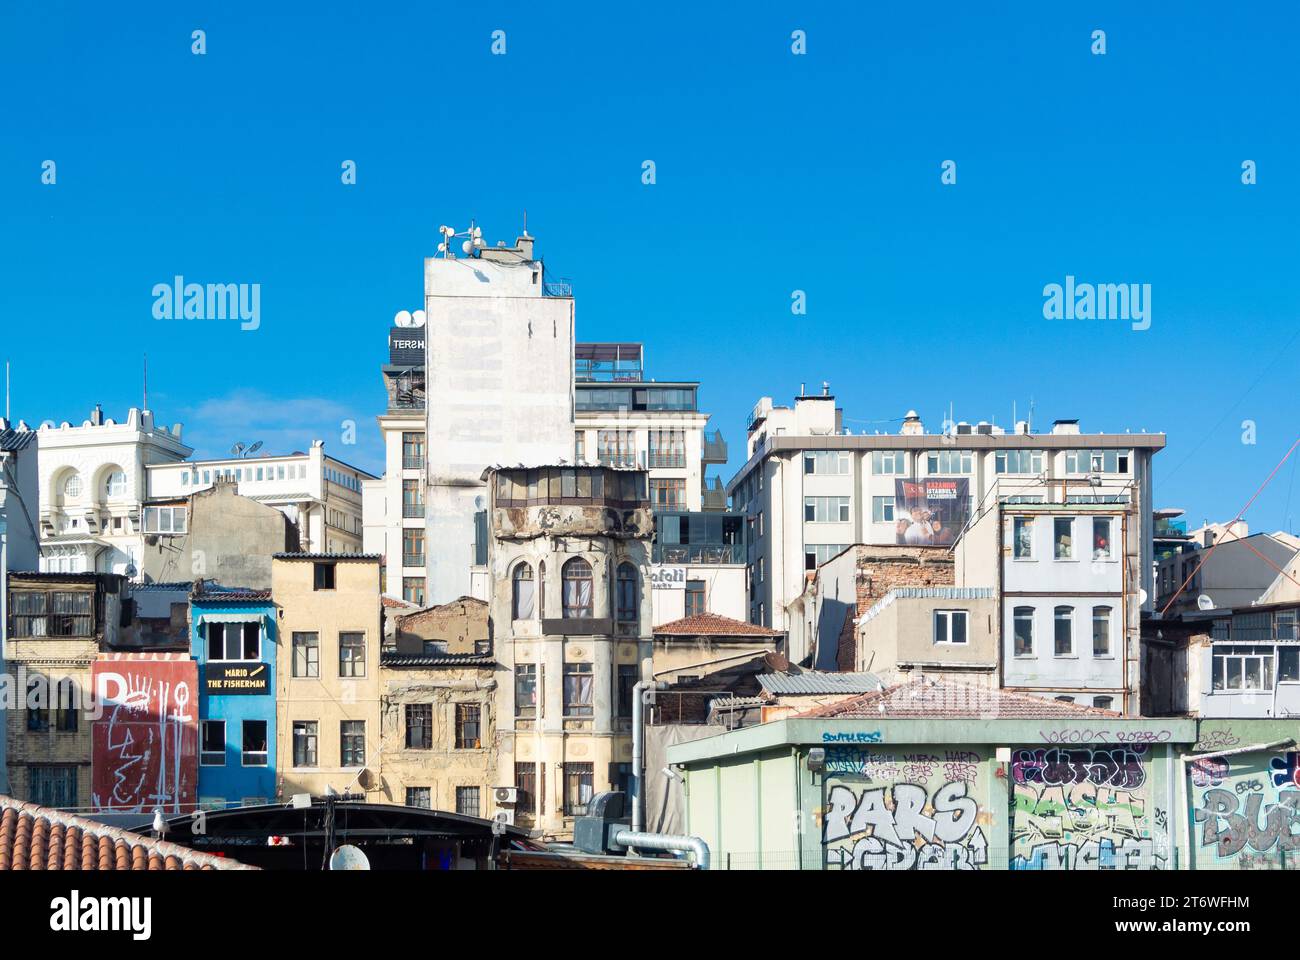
931,511
145,737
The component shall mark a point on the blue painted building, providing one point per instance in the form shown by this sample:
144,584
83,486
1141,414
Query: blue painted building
234,638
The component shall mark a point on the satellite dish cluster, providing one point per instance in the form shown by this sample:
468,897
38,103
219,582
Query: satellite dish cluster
407,318
473,239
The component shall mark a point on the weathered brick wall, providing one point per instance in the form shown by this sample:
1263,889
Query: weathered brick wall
881,569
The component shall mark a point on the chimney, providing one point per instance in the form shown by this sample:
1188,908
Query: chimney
524,243
1065,427
97,416
912,425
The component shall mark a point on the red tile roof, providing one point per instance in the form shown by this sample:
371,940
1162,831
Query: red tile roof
33,837
713,625
946,699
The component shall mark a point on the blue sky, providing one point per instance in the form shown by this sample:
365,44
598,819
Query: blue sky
775,173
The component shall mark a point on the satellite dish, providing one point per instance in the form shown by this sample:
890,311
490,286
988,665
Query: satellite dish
467,246
348,857
1203,602
402,319
255,447
418,318
237,449
1142,595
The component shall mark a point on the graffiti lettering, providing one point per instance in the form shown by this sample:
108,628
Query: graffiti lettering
1209,772
1115,767
1215,740
841,737
1285,770
1229,832
903,828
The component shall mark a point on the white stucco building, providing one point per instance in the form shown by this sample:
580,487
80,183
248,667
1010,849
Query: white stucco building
810,488
93,485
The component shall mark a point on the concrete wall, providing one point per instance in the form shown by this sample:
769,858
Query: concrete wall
898,642
725,592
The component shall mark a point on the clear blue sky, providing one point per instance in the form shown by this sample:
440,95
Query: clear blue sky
775,173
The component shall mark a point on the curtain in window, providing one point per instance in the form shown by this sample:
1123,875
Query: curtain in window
577,588
524,593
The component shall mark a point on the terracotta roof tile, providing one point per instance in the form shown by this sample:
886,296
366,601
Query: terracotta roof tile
713,625
946,699
33,837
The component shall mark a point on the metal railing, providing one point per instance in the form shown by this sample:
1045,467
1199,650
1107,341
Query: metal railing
413,510
698,553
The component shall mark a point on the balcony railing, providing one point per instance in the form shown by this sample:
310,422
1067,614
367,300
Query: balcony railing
558,287
715,448
412,510
698,553
413,462
669,461
413,560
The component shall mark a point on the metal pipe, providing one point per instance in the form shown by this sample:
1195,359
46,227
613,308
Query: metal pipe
638,748
665,841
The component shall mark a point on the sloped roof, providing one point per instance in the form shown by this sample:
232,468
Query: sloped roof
392,658
946,699
818,682
33,837
11,440
713,625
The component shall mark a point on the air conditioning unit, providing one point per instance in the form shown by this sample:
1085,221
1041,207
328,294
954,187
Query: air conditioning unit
508,796
504,816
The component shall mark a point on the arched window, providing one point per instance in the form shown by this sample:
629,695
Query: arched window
625,593
72,486
1064,636
115,484
1101,631
523,599
66,706
576,575
541,589
38,703
1023,627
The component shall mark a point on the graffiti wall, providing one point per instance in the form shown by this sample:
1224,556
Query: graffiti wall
145,738
1246,810
902,809
1085,808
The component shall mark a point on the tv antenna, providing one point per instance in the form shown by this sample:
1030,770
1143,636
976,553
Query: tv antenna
473,240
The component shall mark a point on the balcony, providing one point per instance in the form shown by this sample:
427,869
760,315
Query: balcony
557,287
666,461
413,462
413,560
698,553
413,510
715,448
714,497
1176,529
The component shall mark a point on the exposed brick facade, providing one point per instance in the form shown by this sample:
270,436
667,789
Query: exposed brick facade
879,570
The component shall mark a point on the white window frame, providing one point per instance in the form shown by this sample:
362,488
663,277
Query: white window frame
880,506
1071,555
1016,524
946,619
888,463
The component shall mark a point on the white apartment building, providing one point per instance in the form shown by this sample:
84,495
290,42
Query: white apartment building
93,486
809,488
319,493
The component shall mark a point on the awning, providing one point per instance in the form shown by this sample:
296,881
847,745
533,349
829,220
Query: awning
238,616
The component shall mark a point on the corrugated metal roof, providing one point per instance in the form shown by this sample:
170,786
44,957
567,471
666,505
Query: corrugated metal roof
815,681
392,659
326,556
11,440
935,593
947,699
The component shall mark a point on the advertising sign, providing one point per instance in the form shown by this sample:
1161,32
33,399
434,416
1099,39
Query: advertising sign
931,511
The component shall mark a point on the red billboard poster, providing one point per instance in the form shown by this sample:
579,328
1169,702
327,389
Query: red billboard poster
932,511
145,732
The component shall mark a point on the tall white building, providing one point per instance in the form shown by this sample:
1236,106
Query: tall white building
320,494
93,486
809,488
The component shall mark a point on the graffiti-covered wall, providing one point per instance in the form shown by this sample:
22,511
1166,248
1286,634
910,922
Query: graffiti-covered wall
1245,807
901,808
145,740
1086,808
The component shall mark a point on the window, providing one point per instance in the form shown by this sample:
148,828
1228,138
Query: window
352,654
72,487
306,655
305,736
323,576
421,797
413,498
526,690
1018,461
468,726
234,641
160,520
1103,703
888,462
412,451
628,675
115,484
38,704
352,743
577,689
826,462
576,574
695,599
1022,538
1023,631
1101,631
52,786
254,747
950,626
413,590
616,448
579,785
56,614
412,547
1288,663
667,449
212,749
523,596
1242,667
1284,622
1063,538
668,494
1101,549
626,601
1063,636
948,462
580,446
65,706
419,726
1096,461
467,801
826,509
526,784
882,509
815,554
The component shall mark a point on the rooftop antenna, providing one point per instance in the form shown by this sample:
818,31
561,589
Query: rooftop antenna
6,391
146,383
